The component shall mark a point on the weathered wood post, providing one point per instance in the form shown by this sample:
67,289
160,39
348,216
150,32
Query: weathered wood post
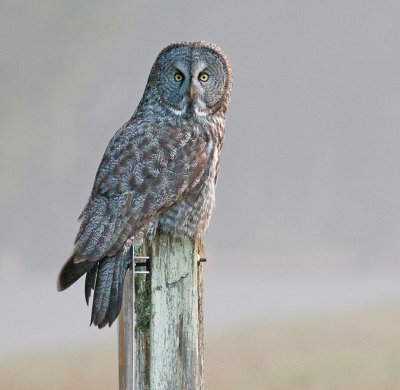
169,335
126,350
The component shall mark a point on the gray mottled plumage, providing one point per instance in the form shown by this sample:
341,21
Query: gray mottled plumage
158,172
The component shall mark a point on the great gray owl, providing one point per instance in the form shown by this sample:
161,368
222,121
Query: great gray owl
158,173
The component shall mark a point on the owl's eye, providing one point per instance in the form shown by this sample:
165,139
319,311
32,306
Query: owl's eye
203,77
178,77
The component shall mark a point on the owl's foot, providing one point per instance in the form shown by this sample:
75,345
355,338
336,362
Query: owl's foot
136,240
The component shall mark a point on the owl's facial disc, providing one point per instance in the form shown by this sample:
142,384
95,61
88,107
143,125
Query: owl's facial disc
191,80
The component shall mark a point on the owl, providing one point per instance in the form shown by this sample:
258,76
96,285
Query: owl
158,173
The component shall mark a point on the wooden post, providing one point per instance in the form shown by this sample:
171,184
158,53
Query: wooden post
126,351
169,317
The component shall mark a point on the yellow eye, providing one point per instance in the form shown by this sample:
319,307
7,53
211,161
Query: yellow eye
178,77
203,77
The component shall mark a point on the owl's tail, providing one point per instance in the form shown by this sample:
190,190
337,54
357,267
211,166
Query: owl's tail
106,278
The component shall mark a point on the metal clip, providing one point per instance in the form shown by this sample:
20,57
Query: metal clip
143,264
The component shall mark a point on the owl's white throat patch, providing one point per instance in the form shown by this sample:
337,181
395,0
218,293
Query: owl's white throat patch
196,112
176,111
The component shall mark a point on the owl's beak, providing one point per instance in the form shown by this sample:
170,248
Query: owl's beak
191,93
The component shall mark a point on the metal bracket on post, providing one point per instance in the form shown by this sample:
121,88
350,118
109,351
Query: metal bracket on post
142,264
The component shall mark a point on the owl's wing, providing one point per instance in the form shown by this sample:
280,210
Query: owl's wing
142,173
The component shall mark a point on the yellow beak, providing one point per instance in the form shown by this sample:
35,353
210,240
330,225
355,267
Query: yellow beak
191,93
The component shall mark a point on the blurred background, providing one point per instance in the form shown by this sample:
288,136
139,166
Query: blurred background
302,278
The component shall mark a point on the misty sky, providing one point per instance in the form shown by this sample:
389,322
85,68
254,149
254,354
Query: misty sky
309,169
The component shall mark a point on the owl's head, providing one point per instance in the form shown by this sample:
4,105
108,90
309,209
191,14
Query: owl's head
192,78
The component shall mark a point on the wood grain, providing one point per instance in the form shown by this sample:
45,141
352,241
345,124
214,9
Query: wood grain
169,313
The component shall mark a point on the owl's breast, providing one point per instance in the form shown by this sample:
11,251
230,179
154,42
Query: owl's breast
191,215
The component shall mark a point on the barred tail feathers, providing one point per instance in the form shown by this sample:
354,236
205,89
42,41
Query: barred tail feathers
108,288
106,277
71,272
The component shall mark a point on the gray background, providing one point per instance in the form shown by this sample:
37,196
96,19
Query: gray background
307,212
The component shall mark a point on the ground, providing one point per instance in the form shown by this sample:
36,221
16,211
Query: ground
356,349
